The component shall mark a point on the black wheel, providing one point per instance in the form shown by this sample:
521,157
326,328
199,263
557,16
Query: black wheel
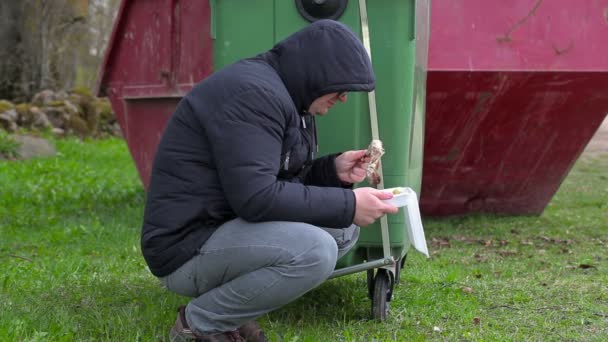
398,268
370,283
398,271
380,302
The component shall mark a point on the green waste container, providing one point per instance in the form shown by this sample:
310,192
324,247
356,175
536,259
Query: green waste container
398,35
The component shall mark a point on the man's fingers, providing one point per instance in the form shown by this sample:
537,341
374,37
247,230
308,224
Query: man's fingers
357,154
359,172
391,209
383,195
356,179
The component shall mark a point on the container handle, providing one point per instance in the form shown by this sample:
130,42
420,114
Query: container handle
373,116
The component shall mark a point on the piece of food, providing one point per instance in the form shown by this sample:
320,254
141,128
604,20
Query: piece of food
396,191
374,152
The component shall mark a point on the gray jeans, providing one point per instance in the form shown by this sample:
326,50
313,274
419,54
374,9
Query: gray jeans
248,269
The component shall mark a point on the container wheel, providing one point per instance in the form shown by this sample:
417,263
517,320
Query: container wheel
398,272
370,283
380,303
398,268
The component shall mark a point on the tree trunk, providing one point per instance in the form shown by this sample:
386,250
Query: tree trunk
53,44
10,61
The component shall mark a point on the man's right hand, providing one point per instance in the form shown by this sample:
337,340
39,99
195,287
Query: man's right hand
370,207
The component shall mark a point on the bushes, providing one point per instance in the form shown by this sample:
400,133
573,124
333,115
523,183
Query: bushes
8,146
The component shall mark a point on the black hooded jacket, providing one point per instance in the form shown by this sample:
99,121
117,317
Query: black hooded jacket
241,144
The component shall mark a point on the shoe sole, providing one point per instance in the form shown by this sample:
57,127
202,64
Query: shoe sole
176,336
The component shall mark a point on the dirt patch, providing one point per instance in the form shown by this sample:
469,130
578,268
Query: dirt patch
599,143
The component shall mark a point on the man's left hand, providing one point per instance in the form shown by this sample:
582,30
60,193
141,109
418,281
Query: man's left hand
351,166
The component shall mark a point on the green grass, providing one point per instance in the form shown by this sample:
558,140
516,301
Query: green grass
72,268
8,146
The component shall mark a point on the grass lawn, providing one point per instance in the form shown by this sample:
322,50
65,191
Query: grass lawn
72,269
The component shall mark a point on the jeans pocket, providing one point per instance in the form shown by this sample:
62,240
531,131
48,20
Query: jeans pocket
344,236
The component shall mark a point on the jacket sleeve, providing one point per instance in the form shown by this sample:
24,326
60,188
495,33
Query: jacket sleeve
323,173
246,140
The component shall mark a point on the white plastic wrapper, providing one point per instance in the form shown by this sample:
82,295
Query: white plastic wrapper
407,198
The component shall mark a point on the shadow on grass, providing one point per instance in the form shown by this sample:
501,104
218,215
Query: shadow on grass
338,300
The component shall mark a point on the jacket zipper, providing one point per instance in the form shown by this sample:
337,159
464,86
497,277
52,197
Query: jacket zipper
286,165
310,137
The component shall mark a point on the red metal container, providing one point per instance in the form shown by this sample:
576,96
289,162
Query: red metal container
516,89
158,50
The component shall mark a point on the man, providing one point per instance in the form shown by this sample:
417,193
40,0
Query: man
237,198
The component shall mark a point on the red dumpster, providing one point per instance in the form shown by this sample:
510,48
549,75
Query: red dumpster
515,92
157,51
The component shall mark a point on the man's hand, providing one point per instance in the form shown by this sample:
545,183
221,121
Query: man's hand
370,207
351,166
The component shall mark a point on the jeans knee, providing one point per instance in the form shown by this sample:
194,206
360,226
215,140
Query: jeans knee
322,254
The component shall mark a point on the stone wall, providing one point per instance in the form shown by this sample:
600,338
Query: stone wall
76,113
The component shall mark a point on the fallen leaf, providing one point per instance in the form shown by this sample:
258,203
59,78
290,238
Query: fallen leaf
487,243
506,253
527,242
467,289
556,240
480,258
441,242
504,242
476,320
467,239
586,266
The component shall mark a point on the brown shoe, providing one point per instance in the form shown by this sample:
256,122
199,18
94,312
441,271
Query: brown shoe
252,332
230,336
181,332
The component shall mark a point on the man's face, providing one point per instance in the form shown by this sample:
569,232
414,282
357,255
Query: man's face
322,104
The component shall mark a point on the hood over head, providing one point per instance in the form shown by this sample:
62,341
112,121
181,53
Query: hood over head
322,58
